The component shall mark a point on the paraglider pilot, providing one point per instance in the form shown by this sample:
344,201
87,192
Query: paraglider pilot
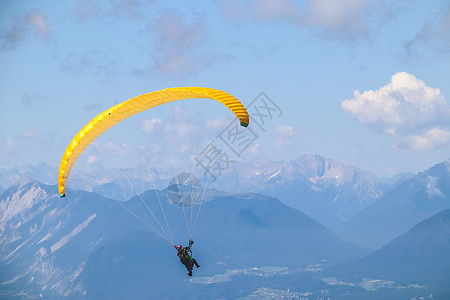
185,255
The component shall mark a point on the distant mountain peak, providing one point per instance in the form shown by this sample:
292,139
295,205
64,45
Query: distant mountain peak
313,165
315,168
19,199
41,172
24,180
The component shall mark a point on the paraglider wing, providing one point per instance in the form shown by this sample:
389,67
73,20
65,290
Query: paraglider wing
126,109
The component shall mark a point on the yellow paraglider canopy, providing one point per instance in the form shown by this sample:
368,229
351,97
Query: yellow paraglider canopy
121,111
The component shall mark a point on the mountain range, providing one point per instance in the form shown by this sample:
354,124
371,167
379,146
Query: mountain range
89,246
41,172
249,245
324,189
353,203
408,203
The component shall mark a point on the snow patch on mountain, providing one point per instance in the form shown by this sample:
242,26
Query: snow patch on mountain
273,175
432,188
73,233
10,256
20,202
323,188
78,271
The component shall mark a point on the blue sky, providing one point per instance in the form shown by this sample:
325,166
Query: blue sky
365,82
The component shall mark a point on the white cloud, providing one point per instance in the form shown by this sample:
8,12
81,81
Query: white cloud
6,148
431,139
28,134
346,17
432,187
183,130
182,48
349,19
217,123
86,9
417,116
39,23
119,148
32,23
92,159
148,126
277,9
129,9
255,149
285,136
101,150
266,10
